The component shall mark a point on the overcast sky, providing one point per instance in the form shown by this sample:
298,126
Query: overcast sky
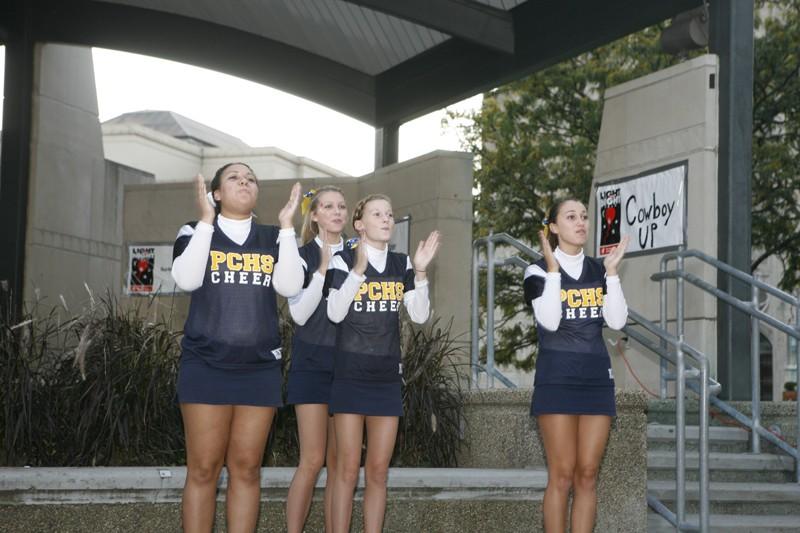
259,115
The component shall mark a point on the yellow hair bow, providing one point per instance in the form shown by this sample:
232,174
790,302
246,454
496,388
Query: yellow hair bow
305,205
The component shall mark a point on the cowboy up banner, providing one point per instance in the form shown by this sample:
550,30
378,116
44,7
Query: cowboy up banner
650,207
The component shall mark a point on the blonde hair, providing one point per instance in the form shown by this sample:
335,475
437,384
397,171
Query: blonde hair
310,227
358,210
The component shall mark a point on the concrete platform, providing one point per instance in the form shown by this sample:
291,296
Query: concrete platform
148,499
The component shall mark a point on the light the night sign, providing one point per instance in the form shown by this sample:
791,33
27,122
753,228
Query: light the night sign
150,270
650,207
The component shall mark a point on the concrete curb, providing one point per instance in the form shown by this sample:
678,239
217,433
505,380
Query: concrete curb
46,486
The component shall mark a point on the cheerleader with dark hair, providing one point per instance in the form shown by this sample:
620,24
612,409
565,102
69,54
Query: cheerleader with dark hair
573,398
229,379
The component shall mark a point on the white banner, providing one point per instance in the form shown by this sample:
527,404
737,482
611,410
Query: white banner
149,269
650,207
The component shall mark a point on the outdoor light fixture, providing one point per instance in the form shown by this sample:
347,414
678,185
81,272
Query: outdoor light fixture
688,31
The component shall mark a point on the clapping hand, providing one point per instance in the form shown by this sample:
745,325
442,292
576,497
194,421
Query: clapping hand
204,206
547,252
286,214
426,251
612,260
361,255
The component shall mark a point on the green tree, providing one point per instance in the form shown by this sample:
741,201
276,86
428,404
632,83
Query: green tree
536,139
776,138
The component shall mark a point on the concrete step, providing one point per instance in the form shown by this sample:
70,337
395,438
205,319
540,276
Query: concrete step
145,499
734,498
732,523
780,417
721,439
761,467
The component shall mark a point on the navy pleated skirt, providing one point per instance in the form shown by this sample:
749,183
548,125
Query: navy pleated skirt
573,400
199,382
370,398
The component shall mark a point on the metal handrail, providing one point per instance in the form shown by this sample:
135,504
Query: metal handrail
750,308
754,423
707,386
731,300
490,241
731,271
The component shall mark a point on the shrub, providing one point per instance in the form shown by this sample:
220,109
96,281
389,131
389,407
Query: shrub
97,388
433,399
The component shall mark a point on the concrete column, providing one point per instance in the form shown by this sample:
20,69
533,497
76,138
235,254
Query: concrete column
73,237
663,118
387,142
15,162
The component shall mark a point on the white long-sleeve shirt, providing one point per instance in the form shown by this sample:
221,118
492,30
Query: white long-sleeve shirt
189,268
416,302
303,305
547,307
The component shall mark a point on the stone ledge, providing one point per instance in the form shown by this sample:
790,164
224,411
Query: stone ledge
96,485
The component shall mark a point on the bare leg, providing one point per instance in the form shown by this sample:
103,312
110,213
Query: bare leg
349,436
330,465
592,437
206,428
249,430
312,427
560,436
381,436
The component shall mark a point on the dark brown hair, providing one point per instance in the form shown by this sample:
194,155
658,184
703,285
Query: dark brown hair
552,214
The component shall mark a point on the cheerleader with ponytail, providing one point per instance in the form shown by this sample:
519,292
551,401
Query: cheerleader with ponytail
572,296
311,371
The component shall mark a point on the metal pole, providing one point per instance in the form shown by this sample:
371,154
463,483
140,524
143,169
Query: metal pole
490,311
797,385
663,364
705,513
731,38
475,329
755,375
680,393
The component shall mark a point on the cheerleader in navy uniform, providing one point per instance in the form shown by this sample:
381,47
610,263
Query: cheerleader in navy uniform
311,369
229,379
366,287
573,396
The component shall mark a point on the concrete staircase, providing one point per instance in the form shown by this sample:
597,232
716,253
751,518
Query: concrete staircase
749,492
